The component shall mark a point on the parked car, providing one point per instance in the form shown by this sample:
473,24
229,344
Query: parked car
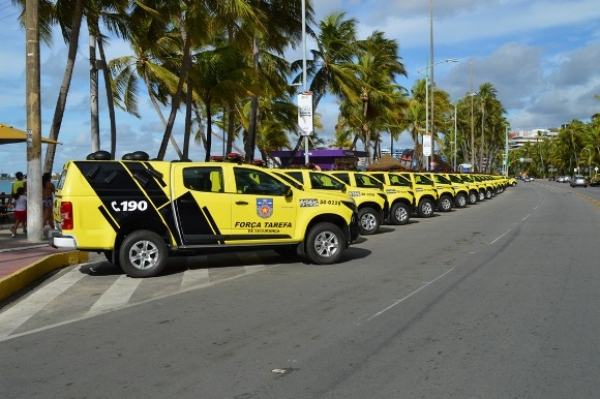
579,180
560,179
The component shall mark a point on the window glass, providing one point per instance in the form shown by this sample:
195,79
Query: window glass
366,181
208,179
251,181
397,180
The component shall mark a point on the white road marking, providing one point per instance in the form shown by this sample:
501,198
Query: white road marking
526,217
195,276
16,316
509,230
254,261
398,301
117,295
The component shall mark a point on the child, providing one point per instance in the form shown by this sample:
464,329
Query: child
20,211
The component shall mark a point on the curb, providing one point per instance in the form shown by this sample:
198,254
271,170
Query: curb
19,280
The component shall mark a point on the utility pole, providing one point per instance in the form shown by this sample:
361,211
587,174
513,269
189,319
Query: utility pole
34,133
432,62
472,126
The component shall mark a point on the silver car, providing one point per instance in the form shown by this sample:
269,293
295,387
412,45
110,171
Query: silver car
578,180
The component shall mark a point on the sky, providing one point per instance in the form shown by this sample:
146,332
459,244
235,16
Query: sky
542,57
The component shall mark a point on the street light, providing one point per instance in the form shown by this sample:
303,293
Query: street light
432,138
304,91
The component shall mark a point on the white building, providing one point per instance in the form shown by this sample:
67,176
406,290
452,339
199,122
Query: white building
519,138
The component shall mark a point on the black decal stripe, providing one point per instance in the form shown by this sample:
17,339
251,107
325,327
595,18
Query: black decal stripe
193,221
110,221
211,220
157,175
249,237
121,187
153,191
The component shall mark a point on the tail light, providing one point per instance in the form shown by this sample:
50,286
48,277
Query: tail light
66,215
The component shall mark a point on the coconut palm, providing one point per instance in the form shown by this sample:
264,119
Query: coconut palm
330,69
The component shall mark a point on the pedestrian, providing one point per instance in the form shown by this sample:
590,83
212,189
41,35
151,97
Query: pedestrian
48,190
18,183
20,212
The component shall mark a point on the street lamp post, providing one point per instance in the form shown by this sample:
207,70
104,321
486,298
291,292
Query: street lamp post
506,150
306,158
427,106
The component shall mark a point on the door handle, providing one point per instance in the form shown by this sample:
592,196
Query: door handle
241,203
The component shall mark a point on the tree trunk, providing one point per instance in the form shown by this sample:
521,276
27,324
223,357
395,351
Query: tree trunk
94,120
109,97
187,131
251,139
64,88
177,96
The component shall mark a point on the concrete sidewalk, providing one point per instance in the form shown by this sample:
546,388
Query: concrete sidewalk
23,262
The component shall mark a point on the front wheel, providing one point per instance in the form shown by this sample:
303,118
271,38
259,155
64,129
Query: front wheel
472,198
325,244
143,253
400,213
445,203
461,200
482,196
369,221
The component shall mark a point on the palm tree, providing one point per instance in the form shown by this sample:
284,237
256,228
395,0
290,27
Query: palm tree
331,66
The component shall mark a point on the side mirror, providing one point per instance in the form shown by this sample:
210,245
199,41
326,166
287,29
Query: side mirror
287,191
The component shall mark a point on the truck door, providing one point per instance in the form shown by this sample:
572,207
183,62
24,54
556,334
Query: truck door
203,208
260,208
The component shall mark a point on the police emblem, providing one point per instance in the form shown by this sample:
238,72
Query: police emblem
264,207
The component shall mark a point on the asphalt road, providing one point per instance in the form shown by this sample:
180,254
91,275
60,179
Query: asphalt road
499,300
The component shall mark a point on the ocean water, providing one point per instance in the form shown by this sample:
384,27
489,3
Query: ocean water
5,186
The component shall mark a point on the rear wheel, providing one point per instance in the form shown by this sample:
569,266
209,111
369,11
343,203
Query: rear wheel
400,213
143,253
426,208
325,243
369,221
445,203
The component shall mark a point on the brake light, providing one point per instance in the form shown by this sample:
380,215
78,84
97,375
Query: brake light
66,215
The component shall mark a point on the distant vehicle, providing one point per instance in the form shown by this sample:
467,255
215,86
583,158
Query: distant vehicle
567,179
552,178
579,180
560,179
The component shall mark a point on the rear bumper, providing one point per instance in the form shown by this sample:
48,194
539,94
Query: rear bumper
58,240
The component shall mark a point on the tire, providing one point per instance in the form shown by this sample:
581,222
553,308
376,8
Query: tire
400,213
445,203
481,196
325,244
488,194
426,208
473,198
143,253
369,222
461,200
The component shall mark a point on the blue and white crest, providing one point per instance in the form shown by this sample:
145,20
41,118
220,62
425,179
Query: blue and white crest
264,207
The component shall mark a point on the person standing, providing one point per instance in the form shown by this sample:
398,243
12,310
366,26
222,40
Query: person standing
48,189
18,183
20,211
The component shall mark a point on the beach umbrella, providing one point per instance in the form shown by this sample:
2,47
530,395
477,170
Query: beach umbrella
9,135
